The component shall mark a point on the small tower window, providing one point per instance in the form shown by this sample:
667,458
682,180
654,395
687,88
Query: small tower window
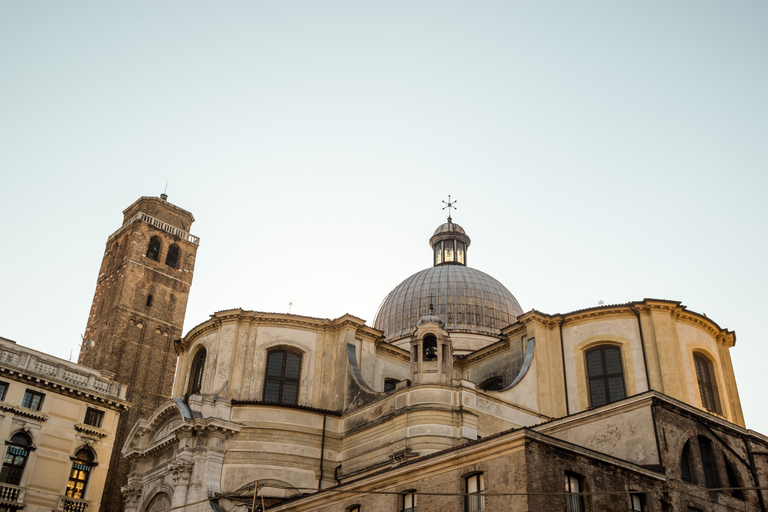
149,301
430,348
153,250
196,372
172,259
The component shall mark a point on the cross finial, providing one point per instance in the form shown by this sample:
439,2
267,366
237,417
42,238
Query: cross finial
449,204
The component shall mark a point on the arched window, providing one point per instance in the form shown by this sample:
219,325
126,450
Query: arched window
493,384
686,464
708,462
390,384
605,375
733,481
196,372
430,348
15,459
281,384
153,250
160,501
172,258
82,463
705,375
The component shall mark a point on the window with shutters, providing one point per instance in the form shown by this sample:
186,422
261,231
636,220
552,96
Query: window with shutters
281,382
605,375
705,375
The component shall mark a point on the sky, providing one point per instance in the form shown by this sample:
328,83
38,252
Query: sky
598,150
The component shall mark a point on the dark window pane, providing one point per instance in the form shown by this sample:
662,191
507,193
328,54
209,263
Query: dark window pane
281,384
615,388
290,392
612,360
594,363
272,390
292,366
275,364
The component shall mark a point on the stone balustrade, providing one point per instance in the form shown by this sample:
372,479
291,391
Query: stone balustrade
15,357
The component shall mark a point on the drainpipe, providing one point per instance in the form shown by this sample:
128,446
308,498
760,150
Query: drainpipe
642,344
565,377
322,452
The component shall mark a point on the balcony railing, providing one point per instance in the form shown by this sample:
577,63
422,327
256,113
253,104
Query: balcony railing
72,505
10,494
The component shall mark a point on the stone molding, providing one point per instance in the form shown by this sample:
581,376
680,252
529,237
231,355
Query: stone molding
131,493
180,471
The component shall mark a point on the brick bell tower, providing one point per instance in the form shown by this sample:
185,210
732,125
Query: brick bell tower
137,312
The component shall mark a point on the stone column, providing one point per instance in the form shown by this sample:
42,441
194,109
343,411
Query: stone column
180,473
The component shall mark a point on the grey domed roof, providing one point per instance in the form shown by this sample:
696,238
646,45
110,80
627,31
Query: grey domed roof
465,298
449,226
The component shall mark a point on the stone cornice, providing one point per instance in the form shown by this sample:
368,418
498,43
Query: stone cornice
307,323
89,429
675,308
64,389
485,352
388,349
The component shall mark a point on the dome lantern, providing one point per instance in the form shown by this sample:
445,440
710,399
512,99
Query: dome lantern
449,245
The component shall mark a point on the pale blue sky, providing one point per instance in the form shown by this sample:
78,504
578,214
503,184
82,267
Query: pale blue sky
599,151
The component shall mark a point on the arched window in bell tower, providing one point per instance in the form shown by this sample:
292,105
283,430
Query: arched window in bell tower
153,250
430,348
172,259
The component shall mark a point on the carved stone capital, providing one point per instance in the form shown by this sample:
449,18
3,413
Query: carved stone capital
180,471
131,493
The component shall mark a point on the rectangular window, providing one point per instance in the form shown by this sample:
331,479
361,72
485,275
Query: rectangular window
3,390
475,501
574,501
637,503
93,417
409,502
32,400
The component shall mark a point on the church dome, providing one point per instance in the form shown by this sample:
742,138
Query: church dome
466,299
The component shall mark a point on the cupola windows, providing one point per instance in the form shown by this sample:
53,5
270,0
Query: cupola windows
450,251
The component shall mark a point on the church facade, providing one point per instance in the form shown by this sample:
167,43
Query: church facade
455,399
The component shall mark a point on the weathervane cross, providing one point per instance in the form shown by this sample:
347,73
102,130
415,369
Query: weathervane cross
449,204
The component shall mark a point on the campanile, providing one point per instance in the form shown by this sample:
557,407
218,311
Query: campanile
137,313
